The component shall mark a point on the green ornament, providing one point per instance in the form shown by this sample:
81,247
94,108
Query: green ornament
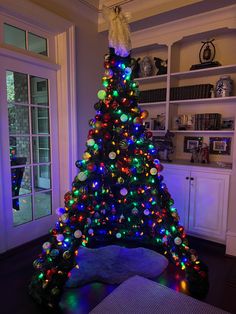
101,94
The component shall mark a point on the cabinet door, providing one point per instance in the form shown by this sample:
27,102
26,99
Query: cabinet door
178,186
208,205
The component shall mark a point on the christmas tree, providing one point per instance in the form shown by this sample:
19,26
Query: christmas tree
119,193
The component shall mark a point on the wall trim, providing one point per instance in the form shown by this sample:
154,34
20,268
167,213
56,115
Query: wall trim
67,111
231,243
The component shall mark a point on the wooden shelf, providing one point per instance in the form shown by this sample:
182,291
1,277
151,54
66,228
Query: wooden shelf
204,131
205,100
226,69
157,131
152,103
153,78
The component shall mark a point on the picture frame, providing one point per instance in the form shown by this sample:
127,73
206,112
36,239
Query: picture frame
191,143
220,145
148,124
227,123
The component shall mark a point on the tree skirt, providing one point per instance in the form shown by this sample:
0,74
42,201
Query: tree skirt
113,264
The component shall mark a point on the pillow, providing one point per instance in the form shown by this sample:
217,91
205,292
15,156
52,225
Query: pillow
114,264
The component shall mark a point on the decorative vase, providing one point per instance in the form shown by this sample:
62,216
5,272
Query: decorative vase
146,67
224,87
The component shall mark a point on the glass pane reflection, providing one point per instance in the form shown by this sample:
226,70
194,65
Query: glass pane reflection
40,120
37,44
42,177
18,117
39,90
43,204
17,87
20,181
14,36
19,150
41,149
24,212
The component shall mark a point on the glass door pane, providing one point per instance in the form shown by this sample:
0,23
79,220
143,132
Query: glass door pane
30,150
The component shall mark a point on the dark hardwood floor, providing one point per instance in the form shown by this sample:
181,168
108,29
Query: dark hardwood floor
16,270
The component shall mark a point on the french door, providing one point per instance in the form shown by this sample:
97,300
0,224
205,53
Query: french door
29,170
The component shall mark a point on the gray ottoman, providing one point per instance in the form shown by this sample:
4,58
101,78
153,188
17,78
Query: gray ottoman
139,295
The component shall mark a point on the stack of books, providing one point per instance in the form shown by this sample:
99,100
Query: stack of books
176,93
191,92
207,121
152,95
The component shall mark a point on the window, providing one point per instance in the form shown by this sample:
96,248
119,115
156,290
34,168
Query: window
25,40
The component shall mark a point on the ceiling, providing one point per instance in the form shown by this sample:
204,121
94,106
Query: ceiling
140,13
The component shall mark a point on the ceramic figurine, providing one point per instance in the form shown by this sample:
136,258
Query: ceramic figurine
161,66
146,67
224,87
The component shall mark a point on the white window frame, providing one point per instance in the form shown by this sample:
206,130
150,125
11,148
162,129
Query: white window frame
63,59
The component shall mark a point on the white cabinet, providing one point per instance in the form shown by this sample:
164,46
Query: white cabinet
201,199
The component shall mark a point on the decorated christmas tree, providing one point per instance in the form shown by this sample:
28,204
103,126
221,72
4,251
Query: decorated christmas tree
119,193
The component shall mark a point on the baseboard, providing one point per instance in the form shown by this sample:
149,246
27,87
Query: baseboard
204,244
37,242
231,243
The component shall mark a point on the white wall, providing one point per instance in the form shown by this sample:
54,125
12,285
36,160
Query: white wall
90,49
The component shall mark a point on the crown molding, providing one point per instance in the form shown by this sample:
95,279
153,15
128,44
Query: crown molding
92,4
136,10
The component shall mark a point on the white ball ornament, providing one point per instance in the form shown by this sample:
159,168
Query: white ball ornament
177,240
47,246
90,231
128,71
118,235
90,142
146,212
112,155
123,117
135,211
153,171
64,217
60,237
82,176
77,234
123,191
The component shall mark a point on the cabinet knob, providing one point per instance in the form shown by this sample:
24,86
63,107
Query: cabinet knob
187,178
191,178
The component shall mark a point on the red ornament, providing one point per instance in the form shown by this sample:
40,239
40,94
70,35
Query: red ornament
148,134
125,101
107,136
106,117
91,133
137,121
91,167
113,61
98,117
